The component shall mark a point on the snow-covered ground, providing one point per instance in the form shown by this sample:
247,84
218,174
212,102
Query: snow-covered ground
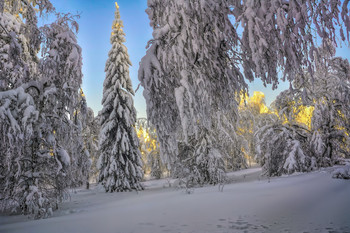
312,202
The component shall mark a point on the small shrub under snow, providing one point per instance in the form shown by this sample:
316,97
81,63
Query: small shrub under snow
342,173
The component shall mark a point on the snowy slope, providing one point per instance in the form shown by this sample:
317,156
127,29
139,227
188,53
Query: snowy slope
312,202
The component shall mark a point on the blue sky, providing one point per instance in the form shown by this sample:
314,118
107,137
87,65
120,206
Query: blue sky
96,17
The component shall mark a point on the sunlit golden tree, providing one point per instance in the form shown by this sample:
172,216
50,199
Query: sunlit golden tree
149,147
253,113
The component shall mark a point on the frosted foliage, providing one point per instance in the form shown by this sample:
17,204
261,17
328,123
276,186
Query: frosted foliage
231,144
91,133
251,119
191,68
16,64
19,41
282,33
120,158
61,66
187,73
63,101
332,111
63,157
282,148
21,7
325,142
25,175
199,161
42,113
329,94
149,147
295,155
62,61
342,173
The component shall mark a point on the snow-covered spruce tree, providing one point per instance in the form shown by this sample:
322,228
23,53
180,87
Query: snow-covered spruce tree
189,80
120,162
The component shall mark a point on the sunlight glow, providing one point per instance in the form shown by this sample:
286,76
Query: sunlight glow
256,101
304,115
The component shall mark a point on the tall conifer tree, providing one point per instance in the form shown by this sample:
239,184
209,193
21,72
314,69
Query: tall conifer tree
120,159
